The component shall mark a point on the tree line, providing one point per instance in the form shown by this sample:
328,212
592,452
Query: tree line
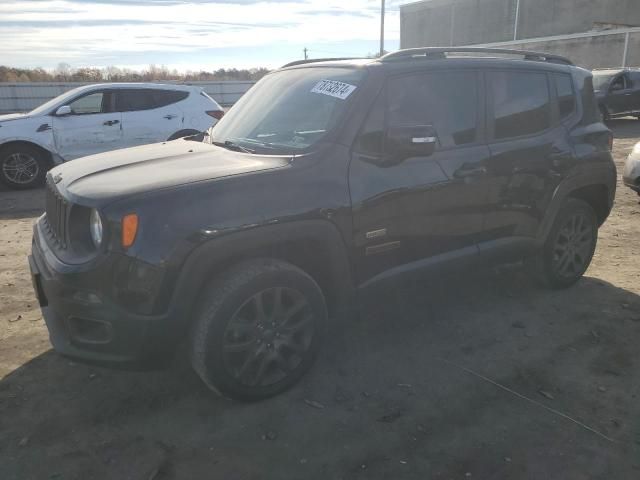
65,73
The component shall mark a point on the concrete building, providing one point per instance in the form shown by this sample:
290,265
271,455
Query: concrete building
593,33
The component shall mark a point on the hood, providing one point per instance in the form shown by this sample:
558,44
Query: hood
12,116
120,173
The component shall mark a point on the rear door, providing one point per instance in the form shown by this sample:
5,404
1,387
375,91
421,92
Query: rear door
530,151
149,115
92,126
424,210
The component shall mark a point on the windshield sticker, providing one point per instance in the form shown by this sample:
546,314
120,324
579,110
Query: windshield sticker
333,88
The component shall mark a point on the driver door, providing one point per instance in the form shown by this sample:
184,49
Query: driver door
620,98
425,211
92,126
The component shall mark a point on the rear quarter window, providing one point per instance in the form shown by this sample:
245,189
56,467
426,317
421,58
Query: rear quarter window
590,111
565,94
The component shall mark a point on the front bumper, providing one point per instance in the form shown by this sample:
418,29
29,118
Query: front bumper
86,326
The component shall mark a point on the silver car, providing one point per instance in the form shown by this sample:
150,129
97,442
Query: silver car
631,175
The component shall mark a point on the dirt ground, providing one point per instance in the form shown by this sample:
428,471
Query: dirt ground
486,377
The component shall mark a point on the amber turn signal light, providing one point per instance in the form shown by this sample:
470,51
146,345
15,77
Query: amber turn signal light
129,229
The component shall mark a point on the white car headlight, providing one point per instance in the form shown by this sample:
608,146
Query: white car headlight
95,226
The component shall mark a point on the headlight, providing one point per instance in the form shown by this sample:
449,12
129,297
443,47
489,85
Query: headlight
95,225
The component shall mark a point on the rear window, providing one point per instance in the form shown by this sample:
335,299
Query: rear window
521,103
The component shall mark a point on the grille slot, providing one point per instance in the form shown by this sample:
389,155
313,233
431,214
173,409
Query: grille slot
57,209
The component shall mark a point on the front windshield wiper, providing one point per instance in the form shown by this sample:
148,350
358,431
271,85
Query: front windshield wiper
229,145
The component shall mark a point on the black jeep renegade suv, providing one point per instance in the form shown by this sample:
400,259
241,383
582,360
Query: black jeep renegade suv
326,178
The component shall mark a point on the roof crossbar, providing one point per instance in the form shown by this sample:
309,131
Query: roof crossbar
431,53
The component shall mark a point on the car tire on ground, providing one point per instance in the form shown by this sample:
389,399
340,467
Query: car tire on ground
257,329
569,247
22,167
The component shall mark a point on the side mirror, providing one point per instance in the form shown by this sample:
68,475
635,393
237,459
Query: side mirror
410,141
64,110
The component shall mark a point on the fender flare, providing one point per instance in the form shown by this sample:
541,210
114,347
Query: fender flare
219,249
55,158
602,174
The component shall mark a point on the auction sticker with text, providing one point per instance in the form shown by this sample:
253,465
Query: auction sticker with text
334,88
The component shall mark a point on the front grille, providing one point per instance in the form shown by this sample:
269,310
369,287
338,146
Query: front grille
57,215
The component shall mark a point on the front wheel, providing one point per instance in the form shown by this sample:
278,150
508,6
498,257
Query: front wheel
22,167
258,329
569,248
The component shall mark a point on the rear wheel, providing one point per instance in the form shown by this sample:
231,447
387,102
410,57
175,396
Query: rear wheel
258,329
570,245
22,167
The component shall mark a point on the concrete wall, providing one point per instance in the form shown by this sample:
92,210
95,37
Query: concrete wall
587,50
456,22
466,22
22,97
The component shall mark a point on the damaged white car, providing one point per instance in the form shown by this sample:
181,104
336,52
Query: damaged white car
98,118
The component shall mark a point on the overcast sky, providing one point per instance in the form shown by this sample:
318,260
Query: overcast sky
189,34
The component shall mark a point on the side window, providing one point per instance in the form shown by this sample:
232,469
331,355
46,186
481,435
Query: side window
617,84
88,104
565,94
371,138
133,100
520,103
162,98
446,101
628,82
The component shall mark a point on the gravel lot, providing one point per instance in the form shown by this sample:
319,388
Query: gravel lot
486,377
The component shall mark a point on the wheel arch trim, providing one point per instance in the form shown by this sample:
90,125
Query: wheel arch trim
600,175
214,255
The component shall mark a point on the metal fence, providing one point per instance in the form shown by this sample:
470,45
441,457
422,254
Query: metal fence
22,97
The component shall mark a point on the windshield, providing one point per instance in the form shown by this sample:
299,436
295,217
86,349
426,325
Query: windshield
59,100
289,111
601,82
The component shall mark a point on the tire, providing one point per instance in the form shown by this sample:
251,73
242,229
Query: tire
574,232
243,355
182,134
22,167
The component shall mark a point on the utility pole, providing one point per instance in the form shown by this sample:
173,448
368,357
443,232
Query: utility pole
382,29
306,57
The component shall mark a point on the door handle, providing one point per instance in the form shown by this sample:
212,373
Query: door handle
466,171
111,122
170,117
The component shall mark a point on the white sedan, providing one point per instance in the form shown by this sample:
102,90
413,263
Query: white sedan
631,173
98,118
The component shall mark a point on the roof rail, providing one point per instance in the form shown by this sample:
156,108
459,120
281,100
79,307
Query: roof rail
315,60
441,52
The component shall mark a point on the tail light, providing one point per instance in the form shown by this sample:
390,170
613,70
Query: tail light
217,114
611,142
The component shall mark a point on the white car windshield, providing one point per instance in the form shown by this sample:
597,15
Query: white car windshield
289,111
